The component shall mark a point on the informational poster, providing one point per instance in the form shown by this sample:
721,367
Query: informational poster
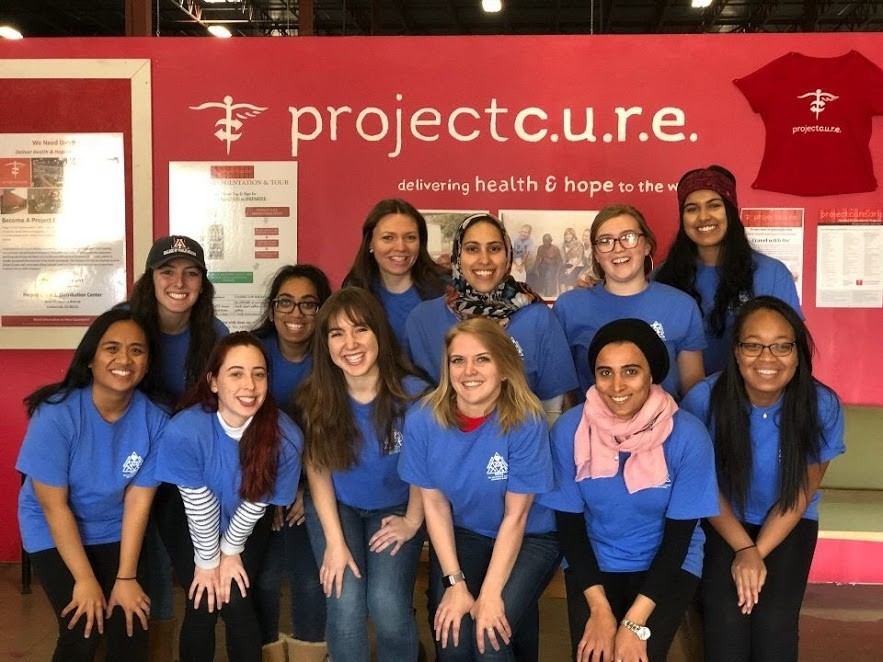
62,228
245,217
849,266
778,232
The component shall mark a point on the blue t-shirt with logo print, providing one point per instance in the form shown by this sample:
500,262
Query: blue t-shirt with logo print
373,482
625,530
475,470
673,314
763,491
195,451
534,329
68,444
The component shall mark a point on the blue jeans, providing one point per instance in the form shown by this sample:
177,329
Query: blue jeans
159,566
534,567
290,557
385,593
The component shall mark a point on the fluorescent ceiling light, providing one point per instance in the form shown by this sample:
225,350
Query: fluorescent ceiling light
492,6
219,31
701,4
9,32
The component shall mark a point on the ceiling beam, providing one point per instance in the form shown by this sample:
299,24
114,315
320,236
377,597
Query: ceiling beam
711,14
658,19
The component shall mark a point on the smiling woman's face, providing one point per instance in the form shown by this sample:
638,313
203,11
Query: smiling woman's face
483,259
623,378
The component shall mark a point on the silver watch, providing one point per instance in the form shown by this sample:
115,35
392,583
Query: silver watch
642,632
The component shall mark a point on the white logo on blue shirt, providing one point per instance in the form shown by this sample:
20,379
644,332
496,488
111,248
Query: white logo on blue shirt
517,346
132,465
497,468
397,439
660,331
664,485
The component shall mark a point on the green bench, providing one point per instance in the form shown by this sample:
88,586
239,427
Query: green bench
852,489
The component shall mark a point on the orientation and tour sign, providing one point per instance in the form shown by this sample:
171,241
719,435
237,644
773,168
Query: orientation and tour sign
245,217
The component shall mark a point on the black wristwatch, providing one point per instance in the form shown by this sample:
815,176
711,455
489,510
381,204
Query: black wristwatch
451,580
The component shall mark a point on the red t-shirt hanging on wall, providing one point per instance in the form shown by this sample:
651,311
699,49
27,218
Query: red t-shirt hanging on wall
817,113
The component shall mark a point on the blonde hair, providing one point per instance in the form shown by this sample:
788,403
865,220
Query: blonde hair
516,404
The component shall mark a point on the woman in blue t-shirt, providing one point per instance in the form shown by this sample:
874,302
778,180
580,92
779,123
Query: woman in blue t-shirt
622,248
393,263
634,475
478,449
286,331
364,522
483,287
775,429
176,299
88,459
231,453
711,260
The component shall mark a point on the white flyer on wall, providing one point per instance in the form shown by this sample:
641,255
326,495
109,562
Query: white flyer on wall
245,217
62,227
849,266
778,233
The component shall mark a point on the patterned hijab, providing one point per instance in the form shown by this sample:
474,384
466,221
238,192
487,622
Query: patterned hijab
500,303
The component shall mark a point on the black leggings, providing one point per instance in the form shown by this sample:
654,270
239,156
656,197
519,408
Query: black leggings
58,584
243,635
769,633
622,588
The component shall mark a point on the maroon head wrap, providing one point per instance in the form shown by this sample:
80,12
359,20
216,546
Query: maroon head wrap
710,179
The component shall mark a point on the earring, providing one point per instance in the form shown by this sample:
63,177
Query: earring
650,270
371,250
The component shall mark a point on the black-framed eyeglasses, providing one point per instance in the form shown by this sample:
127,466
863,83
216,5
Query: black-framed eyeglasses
626,240
755,349
287,305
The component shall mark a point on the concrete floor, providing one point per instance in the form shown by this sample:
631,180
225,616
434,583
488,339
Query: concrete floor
838,622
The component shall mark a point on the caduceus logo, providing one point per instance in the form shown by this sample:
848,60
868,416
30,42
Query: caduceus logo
14,167
819,101
231,123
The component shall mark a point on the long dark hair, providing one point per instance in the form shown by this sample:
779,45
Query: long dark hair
202,321
429,278
79,374
322,404
315,275
800,425
735,265
259,446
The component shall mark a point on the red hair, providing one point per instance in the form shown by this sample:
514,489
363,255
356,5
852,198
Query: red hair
259,446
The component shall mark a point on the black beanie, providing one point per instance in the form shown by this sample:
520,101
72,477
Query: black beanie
641,334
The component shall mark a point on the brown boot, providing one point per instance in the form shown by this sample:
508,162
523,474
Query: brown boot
161,643
274,652
306,651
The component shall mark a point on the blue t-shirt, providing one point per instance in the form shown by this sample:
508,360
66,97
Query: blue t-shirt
397,306
673,314
373,482
196,452
475,470
625,530
70,445
763,492
285,375
173,358
534,329
771,277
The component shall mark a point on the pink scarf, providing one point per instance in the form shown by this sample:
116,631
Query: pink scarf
601,435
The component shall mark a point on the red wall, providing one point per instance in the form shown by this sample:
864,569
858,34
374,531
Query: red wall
339,179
